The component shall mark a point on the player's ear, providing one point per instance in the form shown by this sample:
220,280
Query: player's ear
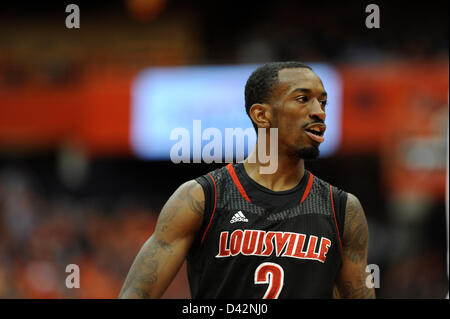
261,115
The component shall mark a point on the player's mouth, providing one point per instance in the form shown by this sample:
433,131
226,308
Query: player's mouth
316,131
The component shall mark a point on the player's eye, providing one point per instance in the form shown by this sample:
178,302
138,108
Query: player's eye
302,99
323,103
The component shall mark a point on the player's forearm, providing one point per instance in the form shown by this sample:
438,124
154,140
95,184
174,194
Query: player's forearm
356,289
146,278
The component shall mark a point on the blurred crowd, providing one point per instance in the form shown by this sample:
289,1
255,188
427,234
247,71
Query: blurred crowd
36,47
39,237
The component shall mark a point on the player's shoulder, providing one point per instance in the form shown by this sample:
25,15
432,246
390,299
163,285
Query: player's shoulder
189,187
215,176
353,203
190,192
324,187
199,187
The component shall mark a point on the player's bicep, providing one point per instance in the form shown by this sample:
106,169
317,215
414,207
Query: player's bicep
163,253
351,281
356,232
182,214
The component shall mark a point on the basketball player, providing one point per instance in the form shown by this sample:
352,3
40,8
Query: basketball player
246,234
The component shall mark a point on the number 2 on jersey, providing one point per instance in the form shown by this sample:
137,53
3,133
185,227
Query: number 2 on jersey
272,274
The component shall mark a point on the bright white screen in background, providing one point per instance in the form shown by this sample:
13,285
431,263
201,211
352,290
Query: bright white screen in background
164,99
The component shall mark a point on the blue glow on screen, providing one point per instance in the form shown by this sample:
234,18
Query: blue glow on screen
164,99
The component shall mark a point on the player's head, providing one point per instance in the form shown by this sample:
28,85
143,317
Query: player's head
288,96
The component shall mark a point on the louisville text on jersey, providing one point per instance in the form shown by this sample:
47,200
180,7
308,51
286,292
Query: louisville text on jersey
262,243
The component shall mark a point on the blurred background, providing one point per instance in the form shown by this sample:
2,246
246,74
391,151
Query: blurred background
73,190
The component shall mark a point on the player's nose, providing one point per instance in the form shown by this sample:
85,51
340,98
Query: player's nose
317,111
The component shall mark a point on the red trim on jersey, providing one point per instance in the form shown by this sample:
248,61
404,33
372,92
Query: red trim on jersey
334,214
308,187
237,182
214,210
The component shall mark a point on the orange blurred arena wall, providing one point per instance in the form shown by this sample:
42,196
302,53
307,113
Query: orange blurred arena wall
96,113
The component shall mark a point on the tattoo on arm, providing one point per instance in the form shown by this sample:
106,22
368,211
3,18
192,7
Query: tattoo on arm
144,271
357,290
186,195
352,282
356,232
197,206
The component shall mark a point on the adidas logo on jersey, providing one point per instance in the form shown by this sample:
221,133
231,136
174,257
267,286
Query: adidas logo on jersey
238,217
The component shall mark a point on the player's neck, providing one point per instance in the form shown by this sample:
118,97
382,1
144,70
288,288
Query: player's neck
288,173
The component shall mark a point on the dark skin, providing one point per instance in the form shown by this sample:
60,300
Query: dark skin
298,100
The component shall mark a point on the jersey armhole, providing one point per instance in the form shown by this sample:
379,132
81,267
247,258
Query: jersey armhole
209,190
340,204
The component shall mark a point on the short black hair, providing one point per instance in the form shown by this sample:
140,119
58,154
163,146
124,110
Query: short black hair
260,84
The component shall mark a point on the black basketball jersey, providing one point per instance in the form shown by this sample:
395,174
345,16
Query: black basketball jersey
257,243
